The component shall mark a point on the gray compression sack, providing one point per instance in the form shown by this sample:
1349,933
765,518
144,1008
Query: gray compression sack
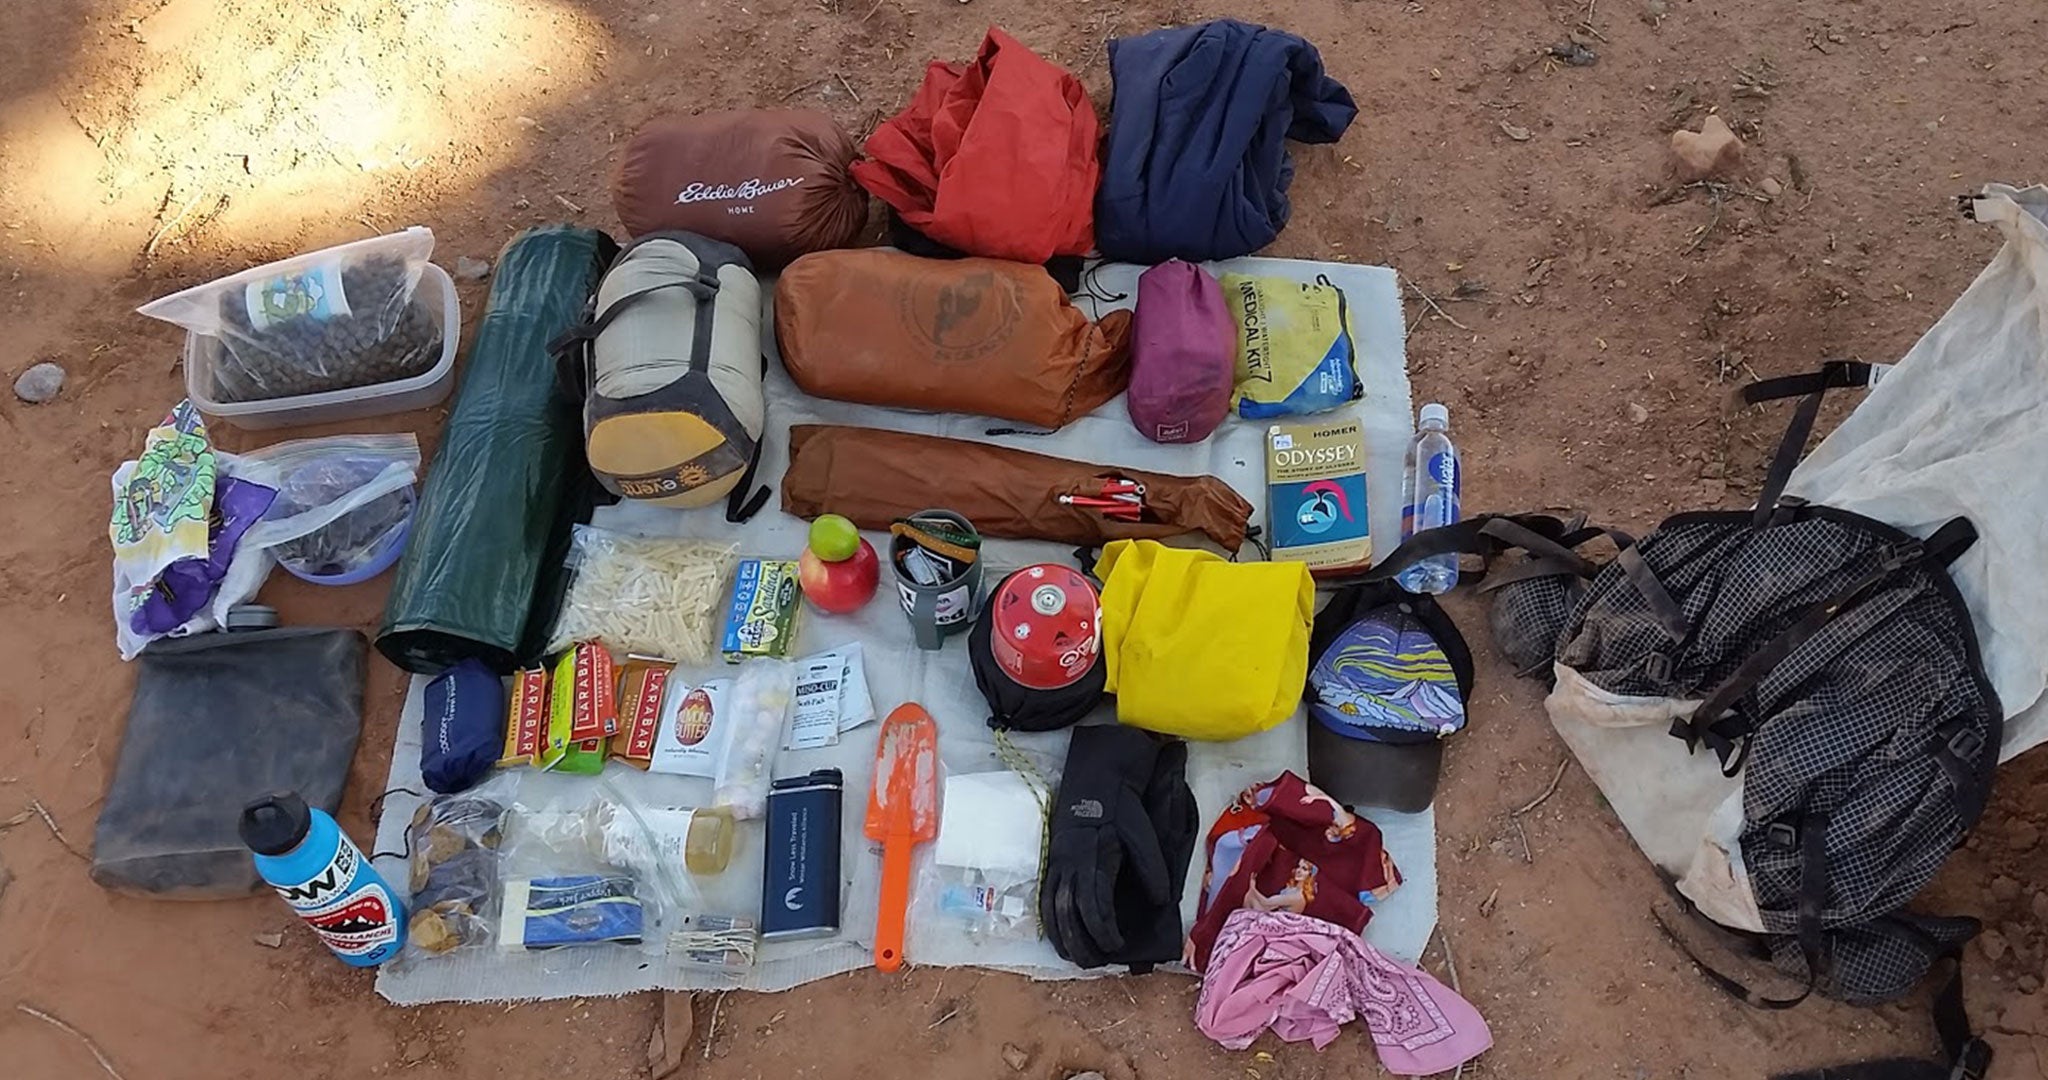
668,369
217,720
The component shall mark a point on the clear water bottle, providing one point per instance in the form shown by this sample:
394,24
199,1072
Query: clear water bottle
1429,498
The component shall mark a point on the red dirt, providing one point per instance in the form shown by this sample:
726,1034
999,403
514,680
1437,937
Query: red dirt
148,146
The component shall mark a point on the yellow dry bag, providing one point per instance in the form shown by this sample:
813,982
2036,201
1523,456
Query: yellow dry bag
1200,647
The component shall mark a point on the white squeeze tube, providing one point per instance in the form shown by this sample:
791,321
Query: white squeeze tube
761,697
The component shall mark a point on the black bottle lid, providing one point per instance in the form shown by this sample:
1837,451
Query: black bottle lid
814,778
276,823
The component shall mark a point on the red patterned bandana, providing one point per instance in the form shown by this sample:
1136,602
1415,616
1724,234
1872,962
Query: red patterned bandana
1285,846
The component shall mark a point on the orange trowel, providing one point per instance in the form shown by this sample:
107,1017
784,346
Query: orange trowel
903,812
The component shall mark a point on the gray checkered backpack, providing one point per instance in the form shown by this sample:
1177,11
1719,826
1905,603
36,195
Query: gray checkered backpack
1785,706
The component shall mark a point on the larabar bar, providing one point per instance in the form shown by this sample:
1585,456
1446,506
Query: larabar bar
594,691
641,687
607,679
526,718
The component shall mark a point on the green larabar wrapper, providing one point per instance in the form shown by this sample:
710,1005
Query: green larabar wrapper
510,456
582,700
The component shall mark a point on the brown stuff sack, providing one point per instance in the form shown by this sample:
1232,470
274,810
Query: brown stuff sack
876,477
771,182
979,336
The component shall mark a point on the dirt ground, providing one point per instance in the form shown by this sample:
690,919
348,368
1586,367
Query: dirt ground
1588,325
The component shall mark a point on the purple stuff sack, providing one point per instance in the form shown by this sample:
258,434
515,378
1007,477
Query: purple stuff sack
1183,354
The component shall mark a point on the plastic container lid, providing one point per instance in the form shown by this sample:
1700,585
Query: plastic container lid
276,823
1436,411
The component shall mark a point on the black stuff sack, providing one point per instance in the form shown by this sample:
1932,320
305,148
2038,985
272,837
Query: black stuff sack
219,719
1012,704
462,726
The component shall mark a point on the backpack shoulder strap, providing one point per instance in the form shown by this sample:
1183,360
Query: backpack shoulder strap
1808,387
1549,539
1811,840
1964,1053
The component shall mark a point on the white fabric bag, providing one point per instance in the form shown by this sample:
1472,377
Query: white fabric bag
1960,427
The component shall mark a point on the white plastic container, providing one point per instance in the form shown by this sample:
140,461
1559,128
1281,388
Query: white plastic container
424,390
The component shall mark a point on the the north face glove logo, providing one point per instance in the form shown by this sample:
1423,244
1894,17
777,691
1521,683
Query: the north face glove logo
1087,808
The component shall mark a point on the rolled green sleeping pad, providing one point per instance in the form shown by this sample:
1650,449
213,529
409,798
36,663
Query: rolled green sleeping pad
510,454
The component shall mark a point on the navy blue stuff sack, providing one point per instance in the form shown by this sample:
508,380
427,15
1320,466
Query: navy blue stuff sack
462,727
1196,166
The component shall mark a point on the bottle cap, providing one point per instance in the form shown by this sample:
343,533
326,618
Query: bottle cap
1436,411
251,617
276,823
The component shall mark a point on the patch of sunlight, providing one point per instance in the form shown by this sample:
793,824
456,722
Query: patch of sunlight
253,119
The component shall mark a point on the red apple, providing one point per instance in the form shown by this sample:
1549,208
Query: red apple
843,586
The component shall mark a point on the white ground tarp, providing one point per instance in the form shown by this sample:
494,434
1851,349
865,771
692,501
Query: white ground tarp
942,681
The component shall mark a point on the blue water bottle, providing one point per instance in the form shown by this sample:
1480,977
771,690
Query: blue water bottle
306,857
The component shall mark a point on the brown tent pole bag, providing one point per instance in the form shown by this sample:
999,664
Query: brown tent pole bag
877,477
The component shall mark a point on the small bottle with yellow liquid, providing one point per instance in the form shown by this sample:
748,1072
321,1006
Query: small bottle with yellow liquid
707,848
653,841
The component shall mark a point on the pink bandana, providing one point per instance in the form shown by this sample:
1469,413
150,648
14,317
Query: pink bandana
1305,978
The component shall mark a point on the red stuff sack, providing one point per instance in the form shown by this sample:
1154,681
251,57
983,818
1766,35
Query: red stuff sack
996,158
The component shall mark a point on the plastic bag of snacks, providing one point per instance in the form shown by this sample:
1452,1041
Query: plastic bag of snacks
653,597
588,866
177,524
452,847
344,504
558,889
332,319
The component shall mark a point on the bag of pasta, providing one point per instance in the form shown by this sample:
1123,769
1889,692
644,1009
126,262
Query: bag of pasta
645,596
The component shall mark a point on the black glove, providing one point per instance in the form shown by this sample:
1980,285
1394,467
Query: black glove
1101,839
1152,930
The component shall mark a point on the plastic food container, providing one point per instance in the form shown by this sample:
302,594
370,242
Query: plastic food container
402,395
386,557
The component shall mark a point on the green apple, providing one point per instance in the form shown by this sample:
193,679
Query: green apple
833,538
